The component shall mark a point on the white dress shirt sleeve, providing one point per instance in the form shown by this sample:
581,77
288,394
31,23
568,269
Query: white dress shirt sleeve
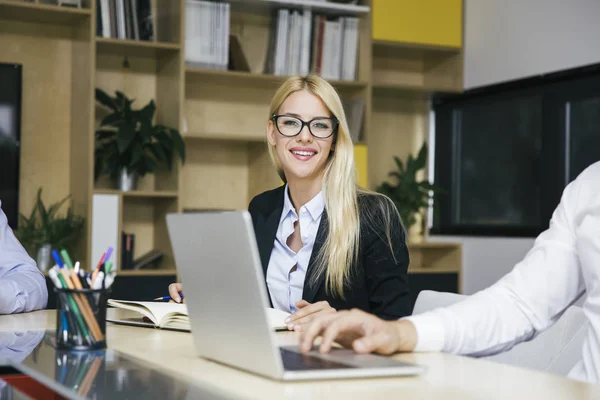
523,303
22,285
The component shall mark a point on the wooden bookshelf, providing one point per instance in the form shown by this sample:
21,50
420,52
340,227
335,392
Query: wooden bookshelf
426,68
256,79
135,48
327,8
221,114
423,91
139,193
19,10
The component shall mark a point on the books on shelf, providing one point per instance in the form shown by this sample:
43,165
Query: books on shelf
148,260
125,19
127,250
207,34
301,43
354,109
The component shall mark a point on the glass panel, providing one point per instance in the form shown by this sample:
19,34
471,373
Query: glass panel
496,176
104,374
583,135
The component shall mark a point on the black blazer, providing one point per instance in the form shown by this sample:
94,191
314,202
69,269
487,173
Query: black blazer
379,284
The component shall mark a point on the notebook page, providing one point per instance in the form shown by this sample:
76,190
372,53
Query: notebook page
276,318
155,311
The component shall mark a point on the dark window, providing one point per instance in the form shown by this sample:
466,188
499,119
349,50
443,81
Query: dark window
504,154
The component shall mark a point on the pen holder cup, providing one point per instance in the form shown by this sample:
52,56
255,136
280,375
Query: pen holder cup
81,319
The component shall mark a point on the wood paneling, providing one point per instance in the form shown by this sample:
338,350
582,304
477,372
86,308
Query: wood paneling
47,59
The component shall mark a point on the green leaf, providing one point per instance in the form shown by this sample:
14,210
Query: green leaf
112,119
103,98
178,144
53,209
104,134
395,174
159,152
399,164
137,154
150,164
421,161
126,135
147,113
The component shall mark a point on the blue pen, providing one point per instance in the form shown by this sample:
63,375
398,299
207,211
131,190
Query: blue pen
57,258
167,298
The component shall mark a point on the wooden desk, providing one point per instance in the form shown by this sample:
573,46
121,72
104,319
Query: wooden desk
448,377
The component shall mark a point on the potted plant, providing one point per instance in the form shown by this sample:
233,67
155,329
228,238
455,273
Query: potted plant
410,195
129,144
45,230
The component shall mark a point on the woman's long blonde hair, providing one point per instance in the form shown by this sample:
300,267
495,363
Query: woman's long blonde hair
340,250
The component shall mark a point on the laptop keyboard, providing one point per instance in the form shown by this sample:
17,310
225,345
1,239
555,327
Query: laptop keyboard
293,361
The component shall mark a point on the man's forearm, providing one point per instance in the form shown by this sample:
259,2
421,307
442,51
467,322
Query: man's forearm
22,290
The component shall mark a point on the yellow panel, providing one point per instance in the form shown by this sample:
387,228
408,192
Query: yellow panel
428,22
360,159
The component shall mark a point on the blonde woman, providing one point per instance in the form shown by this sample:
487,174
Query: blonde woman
325,244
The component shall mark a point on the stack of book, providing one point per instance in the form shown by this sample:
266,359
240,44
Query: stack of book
207,34
125,19
302,43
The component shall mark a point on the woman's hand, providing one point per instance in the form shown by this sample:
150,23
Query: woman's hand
306,313
174,290
363,332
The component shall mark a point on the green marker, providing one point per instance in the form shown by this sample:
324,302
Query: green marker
75,310
108,267
66,258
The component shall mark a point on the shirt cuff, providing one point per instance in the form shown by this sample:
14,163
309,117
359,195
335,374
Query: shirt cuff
430,332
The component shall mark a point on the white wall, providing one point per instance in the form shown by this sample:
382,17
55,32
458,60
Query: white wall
485,260
512,39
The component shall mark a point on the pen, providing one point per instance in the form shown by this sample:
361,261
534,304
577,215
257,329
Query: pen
167,298
57,258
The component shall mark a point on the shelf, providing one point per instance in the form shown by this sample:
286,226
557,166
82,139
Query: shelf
394,46
426,90
248,78
434,270
147,272
328,8
139,193
433,245
135,48
46,13
230,136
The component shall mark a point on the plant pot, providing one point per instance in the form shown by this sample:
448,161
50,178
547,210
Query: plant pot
44,257
126,180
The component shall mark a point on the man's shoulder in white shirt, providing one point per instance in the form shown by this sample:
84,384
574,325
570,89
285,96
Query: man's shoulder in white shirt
531,297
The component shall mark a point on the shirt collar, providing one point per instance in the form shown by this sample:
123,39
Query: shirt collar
315,206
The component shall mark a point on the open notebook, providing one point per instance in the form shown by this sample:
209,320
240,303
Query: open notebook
175,316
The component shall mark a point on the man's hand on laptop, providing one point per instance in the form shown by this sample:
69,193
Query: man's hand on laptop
306,312
174,290
363,332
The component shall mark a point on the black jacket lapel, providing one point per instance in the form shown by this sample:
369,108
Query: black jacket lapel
266,231
311,288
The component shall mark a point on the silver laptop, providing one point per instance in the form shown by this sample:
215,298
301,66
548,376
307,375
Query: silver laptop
225,291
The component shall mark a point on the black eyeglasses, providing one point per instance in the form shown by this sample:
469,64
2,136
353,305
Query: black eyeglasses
320,127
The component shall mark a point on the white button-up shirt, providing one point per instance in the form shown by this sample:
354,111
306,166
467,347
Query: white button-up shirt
22,285
284,282
564,261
